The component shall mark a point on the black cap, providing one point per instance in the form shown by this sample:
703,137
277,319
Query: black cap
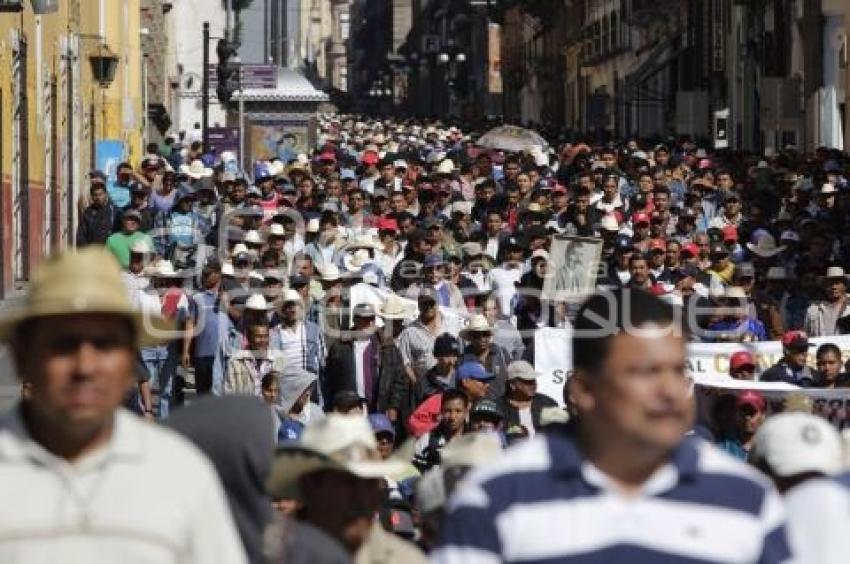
446,344
487,409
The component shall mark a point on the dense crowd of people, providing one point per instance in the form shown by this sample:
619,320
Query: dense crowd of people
369,308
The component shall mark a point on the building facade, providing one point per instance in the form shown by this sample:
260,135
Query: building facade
53,111
774,70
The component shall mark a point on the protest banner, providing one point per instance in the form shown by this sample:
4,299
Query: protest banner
708,365
553,359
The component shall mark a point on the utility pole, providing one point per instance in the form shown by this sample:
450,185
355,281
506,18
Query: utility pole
205,89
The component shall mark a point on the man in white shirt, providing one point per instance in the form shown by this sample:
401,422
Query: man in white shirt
505,276
83,480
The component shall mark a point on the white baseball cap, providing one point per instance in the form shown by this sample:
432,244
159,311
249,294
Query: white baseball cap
794,443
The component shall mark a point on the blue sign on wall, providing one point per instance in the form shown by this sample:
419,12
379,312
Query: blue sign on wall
109,153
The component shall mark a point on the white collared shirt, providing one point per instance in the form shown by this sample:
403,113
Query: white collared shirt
147,496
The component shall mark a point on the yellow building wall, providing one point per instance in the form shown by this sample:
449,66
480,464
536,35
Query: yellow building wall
45,178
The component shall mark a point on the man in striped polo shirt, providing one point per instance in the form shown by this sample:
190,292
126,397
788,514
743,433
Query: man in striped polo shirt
620,483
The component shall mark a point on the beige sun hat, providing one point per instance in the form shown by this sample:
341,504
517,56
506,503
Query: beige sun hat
81,282
329,273
196,170
257,302
446,167
253,237
362,241
478,324
355,261
395,308
164,269
337,442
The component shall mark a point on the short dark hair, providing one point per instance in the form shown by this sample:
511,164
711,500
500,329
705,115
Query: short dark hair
454,394
606,314
827,348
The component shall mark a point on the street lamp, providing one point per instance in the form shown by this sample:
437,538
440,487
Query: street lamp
103,66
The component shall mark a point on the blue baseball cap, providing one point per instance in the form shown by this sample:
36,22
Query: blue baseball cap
347,174
475,370
432,261
381,424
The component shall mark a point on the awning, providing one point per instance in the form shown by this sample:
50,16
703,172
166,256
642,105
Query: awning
292,86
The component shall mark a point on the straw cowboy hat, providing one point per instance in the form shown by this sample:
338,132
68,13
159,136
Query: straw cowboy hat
83,282
253,237
338,442
355,261
766,246
196,169
395,308
329,273
257,302
165,269
478,324
362,241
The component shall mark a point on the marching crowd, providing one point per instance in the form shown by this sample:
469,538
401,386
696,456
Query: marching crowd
348,332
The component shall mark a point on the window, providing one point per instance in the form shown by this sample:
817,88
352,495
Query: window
344,26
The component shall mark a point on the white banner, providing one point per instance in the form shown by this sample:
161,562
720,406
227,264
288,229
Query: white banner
709,366
553,358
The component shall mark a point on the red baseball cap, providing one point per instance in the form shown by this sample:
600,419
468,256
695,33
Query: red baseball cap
370,158
730,233
640,217
328,156
691,248
795,340
740,359
386,224
751,398
559,189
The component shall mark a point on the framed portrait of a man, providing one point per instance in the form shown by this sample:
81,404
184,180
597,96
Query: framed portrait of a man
573,266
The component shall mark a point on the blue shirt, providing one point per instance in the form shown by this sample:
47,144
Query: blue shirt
118,194
544,502
212,324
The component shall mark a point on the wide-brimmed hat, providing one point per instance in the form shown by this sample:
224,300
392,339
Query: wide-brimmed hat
835,273
362,241
766,246
165,269
345,443
253,237
329,273
395,308
291,295
83,282
196,169
478,324
355,261
257,302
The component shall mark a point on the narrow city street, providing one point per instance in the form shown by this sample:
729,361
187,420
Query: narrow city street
409,281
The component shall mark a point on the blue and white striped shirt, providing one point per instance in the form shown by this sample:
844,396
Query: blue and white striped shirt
543,502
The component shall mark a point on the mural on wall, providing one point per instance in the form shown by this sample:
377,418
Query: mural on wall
282,139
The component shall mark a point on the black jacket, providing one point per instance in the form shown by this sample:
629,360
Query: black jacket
538,404
96,225
339,374
782,372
